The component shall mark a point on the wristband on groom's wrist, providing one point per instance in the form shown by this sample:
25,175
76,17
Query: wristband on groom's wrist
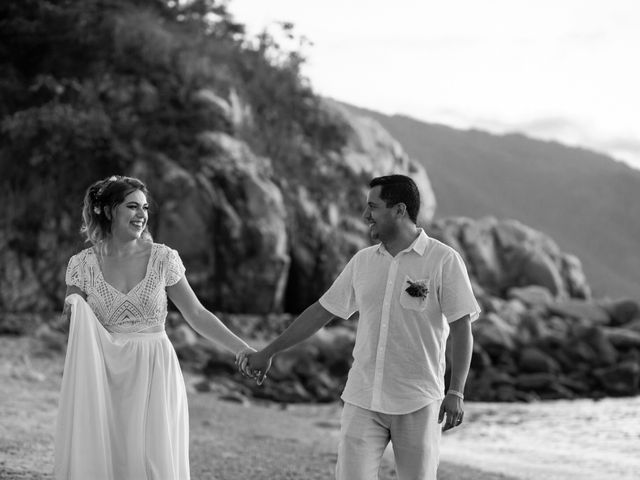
456,393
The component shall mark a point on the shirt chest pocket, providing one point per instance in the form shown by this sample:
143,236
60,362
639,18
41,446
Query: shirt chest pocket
414,294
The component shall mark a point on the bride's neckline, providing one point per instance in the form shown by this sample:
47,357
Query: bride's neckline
97,256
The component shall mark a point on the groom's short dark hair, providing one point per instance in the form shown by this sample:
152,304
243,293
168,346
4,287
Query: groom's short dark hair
399,189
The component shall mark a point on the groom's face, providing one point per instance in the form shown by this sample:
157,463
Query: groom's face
378,216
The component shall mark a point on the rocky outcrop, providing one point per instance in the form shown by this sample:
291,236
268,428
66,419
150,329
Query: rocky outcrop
521,353
552,351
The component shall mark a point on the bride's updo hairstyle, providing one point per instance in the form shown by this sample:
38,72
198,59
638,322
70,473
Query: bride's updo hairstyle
100,200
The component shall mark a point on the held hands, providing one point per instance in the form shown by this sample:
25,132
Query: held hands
453,407
241,357
253,364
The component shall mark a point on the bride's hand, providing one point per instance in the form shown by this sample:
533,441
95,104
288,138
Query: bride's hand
242,357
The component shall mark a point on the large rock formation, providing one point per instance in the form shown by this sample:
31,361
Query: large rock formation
252,239
256,242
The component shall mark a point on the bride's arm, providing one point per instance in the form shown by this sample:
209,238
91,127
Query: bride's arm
202,320
71,289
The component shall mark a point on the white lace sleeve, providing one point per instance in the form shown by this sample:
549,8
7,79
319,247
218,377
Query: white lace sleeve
74,276
175,268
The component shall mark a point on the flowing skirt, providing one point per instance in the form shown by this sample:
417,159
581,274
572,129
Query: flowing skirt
123,405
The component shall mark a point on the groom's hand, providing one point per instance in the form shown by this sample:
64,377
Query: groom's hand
453,407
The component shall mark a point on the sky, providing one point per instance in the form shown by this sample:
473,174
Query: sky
552,69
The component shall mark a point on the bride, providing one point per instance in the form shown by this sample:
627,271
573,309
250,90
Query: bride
123,405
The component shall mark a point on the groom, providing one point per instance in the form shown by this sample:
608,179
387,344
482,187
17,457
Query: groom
412,292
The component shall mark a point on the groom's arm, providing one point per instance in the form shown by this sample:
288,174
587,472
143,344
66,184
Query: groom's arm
307,323
461,351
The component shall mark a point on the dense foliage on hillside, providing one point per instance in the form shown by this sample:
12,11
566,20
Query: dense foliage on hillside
90,88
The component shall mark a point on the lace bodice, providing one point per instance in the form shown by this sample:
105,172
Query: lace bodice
144,306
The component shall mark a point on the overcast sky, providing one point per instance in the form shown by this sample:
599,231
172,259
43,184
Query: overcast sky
552,69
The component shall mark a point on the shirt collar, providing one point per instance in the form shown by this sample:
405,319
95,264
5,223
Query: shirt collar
419,245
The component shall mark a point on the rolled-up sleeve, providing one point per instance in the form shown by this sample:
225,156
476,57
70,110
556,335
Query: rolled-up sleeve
456,294
340,298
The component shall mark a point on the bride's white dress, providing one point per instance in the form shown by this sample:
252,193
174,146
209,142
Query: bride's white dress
123,405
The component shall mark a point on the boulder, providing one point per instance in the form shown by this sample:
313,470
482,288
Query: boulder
481,252
532,328
505,254
533,360
513,311
536,381
576,280
577,383
494,334
335,349
633,325
529,257
621,311
484,386
620,379
537,268
480,359
545,385
558,325
498,377
580,309
532,295
372,151
622,338
600,351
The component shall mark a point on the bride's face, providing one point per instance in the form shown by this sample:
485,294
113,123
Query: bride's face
129,219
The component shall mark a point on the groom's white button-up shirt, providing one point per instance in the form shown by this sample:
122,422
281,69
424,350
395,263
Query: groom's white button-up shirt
399,354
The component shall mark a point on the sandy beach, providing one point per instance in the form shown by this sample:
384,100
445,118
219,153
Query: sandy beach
234,439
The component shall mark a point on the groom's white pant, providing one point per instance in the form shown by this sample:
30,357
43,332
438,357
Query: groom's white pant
365,434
